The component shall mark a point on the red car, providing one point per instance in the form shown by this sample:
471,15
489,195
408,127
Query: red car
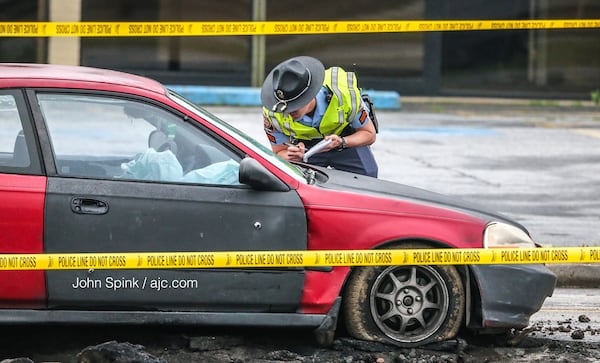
97,161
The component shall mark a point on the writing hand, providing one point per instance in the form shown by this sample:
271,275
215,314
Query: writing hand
295,152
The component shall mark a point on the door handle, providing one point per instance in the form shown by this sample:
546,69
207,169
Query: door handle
88,206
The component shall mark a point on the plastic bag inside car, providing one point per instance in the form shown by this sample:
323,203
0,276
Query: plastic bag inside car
153,165
224,172
164,166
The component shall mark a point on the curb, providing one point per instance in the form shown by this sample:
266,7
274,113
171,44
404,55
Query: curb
576,275
250,96
511,102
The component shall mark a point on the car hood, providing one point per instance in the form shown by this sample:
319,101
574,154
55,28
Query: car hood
349,182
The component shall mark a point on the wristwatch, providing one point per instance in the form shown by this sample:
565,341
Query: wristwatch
343,146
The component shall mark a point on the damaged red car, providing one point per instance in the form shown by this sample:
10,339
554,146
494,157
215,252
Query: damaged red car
98,161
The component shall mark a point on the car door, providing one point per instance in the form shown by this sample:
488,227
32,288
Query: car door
130,175
21,204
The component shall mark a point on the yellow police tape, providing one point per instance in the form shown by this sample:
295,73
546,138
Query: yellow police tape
246,259
162,29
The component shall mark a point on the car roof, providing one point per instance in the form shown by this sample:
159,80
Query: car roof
55,75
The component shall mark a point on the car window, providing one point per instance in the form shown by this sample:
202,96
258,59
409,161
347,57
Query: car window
115,138
267,153
13,148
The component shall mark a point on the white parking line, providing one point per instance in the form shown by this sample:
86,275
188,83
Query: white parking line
588,132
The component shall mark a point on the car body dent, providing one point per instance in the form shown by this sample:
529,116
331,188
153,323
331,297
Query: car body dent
510,294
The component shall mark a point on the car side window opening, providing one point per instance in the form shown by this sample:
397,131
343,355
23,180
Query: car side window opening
113,138
13,149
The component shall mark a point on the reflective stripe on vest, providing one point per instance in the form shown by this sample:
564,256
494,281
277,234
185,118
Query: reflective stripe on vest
354,96
336,91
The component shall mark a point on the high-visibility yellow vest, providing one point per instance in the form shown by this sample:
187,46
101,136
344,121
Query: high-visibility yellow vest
342,110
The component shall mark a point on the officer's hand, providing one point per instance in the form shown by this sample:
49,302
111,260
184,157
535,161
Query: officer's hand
295,152
336,142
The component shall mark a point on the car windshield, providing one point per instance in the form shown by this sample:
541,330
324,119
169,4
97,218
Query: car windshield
295,171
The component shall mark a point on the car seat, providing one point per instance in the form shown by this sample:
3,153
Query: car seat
159,141
20,153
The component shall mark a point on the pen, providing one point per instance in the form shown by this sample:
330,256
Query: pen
288,144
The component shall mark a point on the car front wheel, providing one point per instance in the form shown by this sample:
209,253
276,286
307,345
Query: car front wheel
404,305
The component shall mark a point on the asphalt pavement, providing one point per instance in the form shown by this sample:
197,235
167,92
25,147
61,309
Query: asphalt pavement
582,116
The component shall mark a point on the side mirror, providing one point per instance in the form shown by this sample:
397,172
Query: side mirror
252,173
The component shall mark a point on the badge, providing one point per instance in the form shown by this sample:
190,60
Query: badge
267,123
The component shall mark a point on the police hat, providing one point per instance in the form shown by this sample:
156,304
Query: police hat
292,84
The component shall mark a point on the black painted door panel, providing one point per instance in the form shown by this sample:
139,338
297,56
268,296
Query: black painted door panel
156,217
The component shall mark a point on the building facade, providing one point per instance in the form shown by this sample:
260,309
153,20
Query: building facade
561,63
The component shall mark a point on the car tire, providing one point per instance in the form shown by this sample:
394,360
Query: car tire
404,305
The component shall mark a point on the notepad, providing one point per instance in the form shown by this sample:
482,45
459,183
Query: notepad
316,149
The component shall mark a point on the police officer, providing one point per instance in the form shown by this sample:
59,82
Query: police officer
303,103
